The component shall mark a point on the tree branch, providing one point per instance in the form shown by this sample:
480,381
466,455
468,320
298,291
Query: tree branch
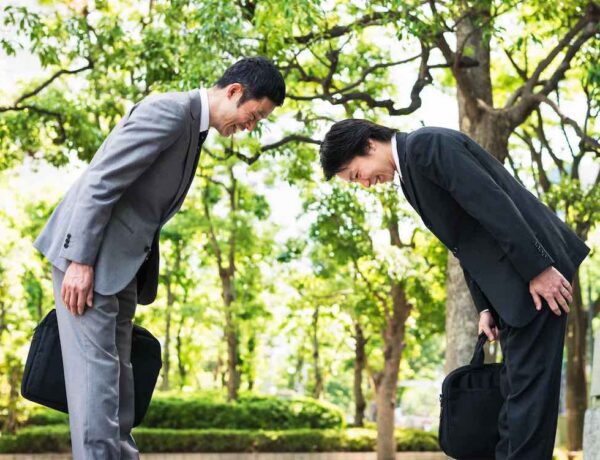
230,152
592,143
536,158
584,29
541,133
374,293
520,71
423,79
290,138
338,31
45,84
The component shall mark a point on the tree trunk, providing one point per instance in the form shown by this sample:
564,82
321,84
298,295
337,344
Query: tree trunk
386,392
318,388
576,391
217,373
165,385
295,381
179,346
360,360
231,337
250,362
461,318
14,371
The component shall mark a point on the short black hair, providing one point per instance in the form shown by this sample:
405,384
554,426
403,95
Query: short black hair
259,77
348,139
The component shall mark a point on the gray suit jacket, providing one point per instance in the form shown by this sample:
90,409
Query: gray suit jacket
112,215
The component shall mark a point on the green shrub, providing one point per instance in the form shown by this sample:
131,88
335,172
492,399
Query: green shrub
45,416
360,440
250,412
56,439
416,440
169,440
211,411
37,439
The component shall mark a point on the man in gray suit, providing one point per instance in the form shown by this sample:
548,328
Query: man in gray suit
102,240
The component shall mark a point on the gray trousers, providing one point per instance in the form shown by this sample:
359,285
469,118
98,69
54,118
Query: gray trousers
96,352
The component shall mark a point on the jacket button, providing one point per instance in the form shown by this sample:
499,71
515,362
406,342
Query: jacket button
66,245
147,248
68,235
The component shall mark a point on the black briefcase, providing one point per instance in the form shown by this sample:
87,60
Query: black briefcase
470,406
44,381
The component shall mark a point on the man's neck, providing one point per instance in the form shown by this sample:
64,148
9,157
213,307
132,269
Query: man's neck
213,94
389,151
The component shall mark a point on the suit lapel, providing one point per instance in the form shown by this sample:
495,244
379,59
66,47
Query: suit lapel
407,182
193,153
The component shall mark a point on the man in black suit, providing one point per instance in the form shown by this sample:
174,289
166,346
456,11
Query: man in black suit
518,257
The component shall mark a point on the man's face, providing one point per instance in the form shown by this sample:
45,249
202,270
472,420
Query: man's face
243,116
371,169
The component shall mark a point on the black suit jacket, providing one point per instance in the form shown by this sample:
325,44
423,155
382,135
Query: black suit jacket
501,233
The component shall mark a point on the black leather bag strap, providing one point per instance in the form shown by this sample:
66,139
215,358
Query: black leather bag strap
478,355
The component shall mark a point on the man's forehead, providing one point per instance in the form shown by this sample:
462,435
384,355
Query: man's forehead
265,107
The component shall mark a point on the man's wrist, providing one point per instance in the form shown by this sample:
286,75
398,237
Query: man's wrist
80,264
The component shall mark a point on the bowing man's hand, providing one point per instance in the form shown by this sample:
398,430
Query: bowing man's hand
552,286
77,289
488,325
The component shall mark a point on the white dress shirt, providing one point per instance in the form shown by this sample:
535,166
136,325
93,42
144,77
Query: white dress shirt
204,116
395,155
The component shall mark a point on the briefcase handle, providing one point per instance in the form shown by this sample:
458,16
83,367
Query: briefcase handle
478,355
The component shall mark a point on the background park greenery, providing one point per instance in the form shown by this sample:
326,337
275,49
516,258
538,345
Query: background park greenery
273,282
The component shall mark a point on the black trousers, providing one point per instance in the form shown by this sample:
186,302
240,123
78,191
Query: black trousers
530,384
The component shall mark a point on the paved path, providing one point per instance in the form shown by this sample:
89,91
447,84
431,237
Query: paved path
253,456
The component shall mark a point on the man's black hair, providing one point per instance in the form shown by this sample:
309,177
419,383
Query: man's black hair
259,77
348,139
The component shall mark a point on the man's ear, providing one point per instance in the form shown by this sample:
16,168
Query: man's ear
234,89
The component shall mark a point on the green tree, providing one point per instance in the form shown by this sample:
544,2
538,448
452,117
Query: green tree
394,283
238,248
117,53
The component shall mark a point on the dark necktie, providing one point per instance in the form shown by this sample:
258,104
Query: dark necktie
201,140
179,198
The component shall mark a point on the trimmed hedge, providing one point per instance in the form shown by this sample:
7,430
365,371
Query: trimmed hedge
51,438
207,411
249,412
42,416
56,439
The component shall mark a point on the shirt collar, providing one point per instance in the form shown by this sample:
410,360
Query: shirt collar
395,155
205,114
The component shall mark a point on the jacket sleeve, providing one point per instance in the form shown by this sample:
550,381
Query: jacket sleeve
152,126
479,299
446,160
